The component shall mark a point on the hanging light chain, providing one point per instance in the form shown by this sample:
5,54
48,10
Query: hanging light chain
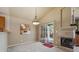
35,13
35,22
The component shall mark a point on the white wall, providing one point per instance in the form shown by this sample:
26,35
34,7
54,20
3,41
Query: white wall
4,10
14,36
54,16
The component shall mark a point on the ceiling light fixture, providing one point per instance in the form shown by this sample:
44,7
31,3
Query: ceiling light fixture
36,22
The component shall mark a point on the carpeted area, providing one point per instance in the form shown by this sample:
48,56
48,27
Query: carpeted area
49,45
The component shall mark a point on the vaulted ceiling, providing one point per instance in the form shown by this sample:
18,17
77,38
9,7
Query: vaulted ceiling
29,12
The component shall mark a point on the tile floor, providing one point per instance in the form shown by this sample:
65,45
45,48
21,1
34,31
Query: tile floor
34,47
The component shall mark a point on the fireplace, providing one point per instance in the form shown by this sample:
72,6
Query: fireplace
67,42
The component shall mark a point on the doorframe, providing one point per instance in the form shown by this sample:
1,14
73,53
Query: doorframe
47,23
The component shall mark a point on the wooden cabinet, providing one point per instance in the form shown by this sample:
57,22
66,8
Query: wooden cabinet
2,23
66,17
76,40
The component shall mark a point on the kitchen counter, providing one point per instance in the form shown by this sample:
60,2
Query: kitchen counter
3,41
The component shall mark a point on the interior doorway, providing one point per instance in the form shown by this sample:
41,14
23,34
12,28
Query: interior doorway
47,33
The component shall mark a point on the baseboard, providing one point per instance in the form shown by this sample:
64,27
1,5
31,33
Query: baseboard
20,44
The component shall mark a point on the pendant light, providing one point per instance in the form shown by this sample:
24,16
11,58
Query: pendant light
36,22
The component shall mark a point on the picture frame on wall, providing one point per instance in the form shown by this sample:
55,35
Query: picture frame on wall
24,29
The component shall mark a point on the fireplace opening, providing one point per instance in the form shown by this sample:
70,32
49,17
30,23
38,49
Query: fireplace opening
67,42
